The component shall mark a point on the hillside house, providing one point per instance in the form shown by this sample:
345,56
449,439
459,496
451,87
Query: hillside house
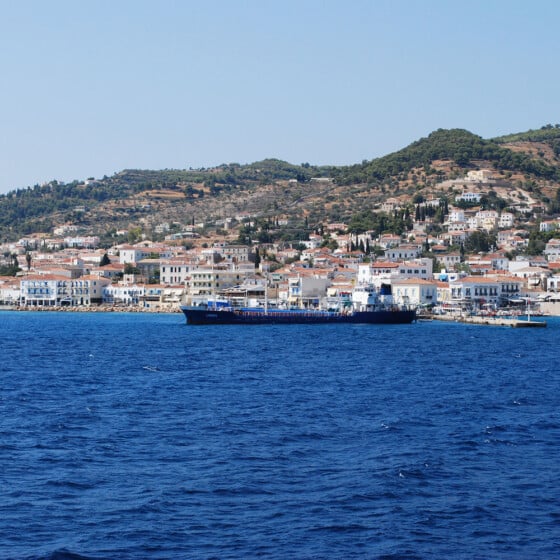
552,249
403,252
389,240
456,215
368,272
549,225
421,268
471,197
505,220
175,271
449,260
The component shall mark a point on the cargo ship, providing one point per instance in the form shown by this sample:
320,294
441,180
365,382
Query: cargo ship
367,305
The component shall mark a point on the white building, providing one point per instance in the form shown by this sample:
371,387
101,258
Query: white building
475,291
456,215
306,291
50,290
403,252
420,268
487,219
205,282
120,294
9,291
369,272
234,253
548,226
552,250
313,242
469,197
505,220
414,291
175,271
479,290
87,242
129,254
96,287
479,175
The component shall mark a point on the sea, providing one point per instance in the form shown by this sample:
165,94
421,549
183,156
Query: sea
134,435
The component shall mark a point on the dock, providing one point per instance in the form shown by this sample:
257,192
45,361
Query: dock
491,321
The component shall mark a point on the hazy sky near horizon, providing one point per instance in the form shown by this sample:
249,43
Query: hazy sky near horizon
91,88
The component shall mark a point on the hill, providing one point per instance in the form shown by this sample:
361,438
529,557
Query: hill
527,162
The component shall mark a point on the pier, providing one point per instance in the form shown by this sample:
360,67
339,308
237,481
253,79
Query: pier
491,321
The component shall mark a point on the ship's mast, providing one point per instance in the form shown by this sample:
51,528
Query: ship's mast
265,270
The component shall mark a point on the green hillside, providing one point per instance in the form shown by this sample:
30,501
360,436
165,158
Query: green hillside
457,145
272,185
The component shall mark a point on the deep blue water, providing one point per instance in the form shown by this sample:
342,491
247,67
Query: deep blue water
137,436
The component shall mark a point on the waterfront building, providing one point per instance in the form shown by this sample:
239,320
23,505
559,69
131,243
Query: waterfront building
306,290
123,294
475,291
414,291
50,290
96,286
205,282
9,290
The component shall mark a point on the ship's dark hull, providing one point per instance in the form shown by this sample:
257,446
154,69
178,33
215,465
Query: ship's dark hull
204,316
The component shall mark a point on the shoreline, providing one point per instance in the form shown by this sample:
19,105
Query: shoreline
85,309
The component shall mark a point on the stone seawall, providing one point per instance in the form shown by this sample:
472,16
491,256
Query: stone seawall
490,321
95,309
550,308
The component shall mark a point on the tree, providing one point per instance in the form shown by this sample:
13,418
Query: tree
479,241
28,260
257,258
134,234
536,244
129,268
105,260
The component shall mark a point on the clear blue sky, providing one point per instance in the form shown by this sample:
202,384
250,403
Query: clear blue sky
91,88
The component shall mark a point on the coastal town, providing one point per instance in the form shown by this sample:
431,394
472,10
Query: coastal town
69,269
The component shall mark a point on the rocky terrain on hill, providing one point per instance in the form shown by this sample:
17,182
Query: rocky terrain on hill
525,167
